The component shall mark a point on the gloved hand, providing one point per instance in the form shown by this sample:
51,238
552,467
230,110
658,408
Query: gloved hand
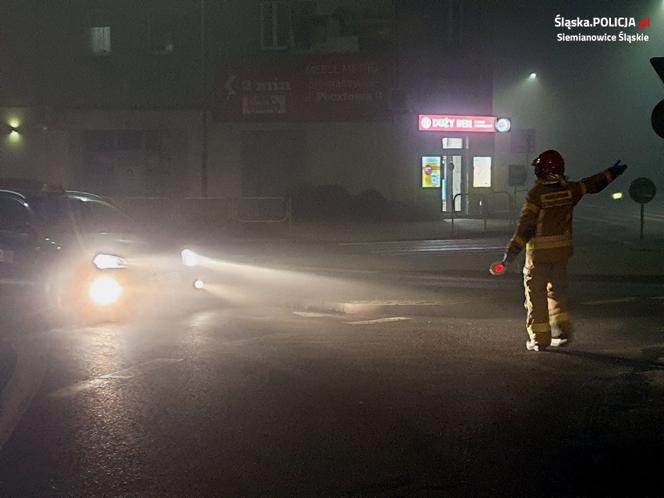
617,169
508,258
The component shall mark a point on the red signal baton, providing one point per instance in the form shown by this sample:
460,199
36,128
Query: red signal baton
497,268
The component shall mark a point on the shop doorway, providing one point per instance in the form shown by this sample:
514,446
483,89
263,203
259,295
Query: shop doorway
453,182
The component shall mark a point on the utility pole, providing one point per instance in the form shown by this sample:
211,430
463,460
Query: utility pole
204,110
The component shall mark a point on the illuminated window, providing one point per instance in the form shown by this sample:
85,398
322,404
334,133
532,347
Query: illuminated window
430,171
275,26
482,171
100,40
452,143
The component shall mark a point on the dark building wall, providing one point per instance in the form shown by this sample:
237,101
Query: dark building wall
433,49
18,52
141,71
436,47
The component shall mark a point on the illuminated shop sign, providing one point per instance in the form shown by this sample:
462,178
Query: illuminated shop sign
465,124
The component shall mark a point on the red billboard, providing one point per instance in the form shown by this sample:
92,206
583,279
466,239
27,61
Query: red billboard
465,124
321,88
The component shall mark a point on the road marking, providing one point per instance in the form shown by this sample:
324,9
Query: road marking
17,395
657,298
380,320
611,301
127,373
311,314
426,247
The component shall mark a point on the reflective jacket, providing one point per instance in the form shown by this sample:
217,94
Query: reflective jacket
545,225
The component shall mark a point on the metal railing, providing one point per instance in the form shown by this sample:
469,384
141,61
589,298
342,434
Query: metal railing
264,210
209,209
484,205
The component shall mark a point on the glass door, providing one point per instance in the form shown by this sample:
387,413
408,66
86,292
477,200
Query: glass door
452,184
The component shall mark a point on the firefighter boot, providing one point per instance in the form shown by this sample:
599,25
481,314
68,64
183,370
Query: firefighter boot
531,346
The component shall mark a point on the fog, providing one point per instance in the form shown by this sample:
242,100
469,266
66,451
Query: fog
590,100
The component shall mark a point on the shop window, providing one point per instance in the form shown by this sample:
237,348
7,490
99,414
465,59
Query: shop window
482,171
452,143
430,166
275,26
100,40
305,23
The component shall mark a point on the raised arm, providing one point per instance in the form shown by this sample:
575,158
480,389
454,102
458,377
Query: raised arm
597,183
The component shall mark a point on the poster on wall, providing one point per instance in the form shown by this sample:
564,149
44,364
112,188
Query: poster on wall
431,171
334,87
482,171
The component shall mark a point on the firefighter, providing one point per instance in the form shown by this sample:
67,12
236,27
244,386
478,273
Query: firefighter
545,231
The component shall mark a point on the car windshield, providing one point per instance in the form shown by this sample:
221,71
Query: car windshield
89,215
13,215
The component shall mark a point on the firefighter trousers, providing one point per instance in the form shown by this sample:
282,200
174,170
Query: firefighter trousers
545,285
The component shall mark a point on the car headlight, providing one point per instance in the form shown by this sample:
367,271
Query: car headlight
189,258
105,291
109,262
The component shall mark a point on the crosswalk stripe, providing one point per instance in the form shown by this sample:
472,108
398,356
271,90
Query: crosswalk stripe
424,247
311,314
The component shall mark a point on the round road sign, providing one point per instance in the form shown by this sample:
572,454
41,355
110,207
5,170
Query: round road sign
642,190
657,119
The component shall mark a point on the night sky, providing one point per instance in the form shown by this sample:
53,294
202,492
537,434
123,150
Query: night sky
591,100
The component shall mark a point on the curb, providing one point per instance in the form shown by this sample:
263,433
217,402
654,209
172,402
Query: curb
359,308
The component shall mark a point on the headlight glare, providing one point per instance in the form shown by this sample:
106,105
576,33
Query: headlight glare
189,258
109,262
105,291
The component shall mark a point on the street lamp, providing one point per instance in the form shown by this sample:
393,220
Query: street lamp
13,131
532,76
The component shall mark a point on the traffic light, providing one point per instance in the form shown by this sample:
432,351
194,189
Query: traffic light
657,116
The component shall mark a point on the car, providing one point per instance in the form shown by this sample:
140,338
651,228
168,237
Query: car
72,248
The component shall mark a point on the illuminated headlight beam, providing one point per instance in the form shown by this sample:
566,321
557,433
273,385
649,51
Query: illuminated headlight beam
189,258
105,291
109,262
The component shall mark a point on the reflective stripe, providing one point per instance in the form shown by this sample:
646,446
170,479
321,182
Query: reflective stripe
538,243
554,199
540,222
552,238
533,208
538,328
560,317
518,241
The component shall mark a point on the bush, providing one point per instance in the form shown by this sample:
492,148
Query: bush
321,203
371,205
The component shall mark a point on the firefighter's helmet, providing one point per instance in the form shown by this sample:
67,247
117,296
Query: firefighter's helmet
549,165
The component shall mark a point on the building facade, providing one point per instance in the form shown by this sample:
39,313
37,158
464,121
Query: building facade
248,98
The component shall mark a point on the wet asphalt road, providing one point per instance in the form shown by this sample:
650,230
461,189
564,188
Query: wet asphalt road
241,399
